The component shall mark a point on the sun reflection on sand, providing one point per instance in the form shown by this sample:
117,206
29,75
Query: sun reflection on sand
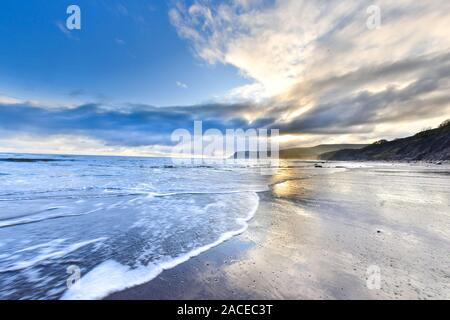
280,262
291,183
283,189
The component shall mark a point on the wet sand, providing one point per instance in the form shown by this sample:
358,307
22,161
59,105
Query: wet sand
318,232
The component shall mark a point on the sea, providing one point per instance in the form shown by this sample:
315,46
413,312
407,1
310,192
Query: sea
81,227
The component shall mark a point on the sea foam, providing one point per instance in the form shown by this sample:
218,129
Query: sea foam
121,221
111,276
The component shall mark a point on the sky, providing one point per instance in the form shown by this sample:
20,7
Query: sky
319,71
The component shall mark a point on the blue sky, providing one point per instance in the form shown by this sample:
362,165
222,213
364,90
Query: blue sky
319,71
126,51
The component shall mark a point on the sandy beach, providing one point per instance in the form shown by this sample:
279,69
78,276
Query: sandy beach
319,232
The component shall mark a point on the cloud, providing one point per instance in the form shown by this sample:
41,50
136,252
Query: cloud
316,67
74,144
403,91
122,10
318,74
8,100
130,10
119,42
62,27
277,44
123,126
359,106
181,85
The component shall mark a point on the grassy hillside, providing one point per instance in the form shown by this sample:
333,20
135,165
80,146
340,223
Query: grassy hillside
428,145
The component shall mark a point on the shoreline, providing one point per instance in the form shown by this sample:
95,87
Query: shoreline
173,283
312,239
232,270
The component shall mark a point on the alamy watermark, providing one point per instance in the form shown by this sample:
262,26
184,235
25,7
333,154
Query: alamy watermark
213,146
73,280
73,21
373,281
373,21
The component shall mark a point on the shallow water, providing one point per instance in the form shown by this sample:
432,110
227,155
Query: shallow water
122,221
319,233
113,218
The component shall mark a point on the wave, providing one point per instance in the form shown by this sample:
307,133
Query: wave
53,255
50,213
176,193
112,276
41,217
114,192
29,160
75,197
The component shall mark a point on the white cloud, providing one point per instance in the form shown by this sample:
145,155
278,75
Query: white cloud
318,72
289,47
182,85
280,45
62,27
75,144
9,100
119,42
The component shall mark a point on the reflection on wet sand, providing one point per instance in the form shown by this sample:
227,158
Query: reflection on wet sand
318,231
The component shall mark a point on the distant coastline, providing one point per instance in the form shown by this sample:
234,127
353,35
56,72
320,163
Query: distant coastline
431,145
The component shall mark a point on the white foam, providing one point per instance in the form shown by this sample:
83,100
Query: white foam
43,245
42,217
168,194
111,276
52,255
